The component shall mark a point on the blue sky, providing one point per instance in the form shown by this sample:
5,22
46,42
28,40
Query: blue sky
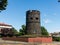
15,13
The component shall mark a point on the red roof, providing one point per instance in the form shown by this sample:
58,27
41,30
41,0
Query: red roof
3,24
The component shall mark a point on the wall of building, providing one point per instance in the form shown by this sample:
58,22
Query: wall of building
24,39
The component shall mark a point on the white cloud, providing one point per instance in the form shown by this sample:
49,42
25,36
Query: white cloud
47,21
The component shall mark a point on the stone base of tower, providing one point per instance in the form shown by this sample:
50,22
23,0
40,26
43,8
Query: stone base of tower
27,39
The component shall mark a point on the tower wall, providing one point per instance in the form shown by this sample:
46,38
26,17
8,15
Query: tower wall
33,22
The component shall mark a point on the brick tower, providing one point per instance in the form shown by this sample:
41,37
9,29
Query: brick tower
33,22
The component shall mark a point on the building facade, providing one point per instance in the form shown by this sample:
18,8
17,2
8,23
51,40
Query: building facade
55,34
5,29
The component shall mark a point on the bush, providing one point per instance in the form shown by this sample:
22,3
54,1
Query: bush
56,38
44,31
17,35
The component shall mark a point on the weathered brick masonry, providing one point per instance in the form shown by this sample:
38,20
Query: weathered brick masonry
24,39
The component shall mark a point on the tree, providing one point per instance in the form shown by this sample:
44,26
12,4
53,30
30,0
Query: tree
14,31
44,31
23,30
3,4
7,32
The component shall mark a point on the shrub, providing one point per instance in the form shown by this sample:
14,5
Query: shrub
56,38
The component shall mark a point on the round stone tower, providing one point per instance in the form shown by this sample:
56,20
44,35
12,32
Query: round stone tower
33,22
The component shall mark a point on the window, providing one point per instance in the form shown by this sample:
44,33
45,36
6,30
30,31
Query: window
31,18
36,18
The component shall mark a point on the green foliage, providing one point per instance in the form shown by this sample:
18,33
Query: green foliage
23,30
33,36
14,31
56,38
3,4
44,31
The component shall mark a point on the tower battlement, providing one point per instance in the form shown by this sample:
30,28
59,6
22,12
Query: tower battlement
33,11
